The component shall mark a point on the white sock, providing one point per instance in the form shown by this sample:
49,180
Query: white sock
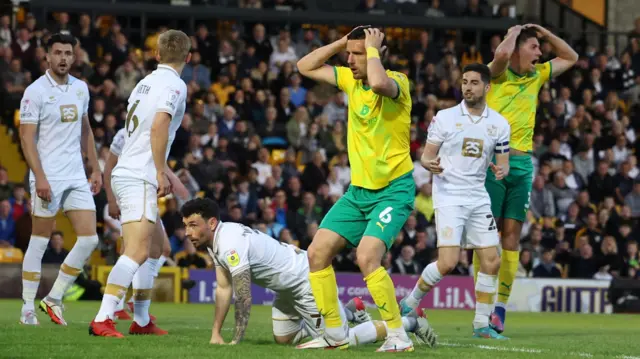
431,276
72,266
142,285
341,332
120,305
376,330
31,269
485,293
161,262
117,284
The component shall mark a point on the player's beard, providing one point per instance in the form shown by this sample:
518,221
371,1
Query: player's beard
475,101
61,73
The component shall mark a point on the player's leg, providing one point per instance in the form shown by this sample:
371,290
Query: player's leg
516,205
121,313
43,223
482,236
143,284
497,193
373,331
77,202
138,205
450,223
393,205
343,224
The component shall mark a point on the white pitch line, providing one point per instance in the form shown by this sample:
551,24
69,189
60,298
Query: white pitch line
524,350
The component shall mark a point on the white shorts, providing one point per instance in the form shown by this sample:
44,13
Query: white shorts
290,315
136,199
70,195
466,226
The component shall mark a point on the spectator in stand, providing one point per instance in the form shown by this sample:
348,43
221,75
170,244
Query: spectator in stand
547,268
542,203
55,253
7,225
18,202
190,258
584,265
525,265
405,264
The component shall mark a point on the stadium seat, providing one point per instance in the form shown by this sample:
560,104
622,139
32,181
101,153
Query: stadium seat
11,255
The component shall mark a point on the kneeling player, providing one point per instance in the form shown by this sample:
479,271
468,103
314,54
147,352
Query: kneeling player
243,255
465,138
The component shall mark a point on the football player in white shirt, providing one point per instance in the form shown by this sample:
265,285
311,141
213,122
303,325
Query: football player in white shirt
461,143
156,108
243,255
113,211
54,133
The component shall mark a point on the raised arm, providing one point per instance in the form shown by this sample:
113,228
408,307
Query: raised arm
313,65
504,51
242,289
223,294
566,57
377,77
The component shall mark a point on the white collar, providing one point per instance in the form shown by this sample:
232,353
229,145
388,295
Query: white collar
167,67
214,242
465,110
53,82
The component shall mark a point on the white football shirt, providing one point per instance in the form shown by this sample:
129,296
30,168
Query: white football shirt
118,142
161,91
467,146
274,265
58,111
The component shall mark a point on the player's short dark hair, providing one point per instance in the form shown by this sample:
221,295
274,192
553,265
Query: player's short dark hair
61,39
359,34
482,69
205,207
525,35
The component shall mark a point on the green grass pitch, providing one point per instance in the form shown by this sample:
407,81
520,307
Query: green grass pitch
533,335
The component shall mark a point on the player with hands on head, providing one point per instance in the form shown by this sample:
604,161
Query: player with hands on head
516,79
382,192
461,143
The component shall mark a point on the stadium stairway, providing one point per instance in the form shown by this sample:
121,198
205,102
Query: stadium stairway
11,159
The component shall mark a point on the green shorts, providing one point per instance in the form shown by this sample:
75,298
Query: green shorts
378,213
510,197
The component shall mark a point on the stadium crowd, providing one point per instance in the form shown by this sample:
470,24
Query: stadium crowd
270,146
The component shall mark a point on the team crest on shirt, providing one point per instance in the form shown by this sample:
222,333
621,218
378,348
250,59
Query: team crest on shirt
492,131
80,94
232,258
458,126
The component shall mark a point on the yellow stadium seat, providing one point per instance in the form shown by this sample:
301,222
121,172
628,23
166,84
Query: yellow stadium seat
11,255
200,194
299,158
301,168
277,157
172,163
